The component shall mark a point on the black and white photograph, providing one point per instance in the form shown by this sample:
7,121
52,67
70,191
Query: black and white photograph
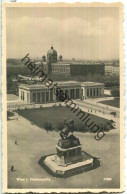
63,97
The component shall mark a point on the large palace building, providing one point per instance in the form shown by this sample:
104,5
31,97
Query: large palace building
74,90
51,64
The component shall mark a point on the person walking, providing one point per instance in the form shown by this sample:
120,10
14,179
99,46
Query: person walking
12,168
15,142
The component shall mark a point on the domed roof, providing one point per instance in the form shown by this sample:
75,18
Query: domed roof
52,51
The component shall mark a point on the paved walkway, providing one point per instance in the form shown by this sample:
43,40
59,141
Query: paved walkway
99,113
97,107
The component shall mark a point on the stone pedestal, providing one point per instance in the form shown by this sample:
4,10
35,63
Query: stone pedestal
69,158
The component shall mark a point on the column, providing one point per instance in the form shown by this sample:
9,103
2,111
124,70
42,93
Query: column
93,92
51,95
63,94
28,97
41,97
54,97
80,93
102,91
74,93
99,92
36,96
48,96
83,92
89,93
31,97
69,94
19,94
66,93
45,96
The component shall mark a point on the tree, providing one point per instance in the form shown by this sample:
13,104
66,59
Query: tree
103,127
115,92
48,126
43,58
60,126
60,58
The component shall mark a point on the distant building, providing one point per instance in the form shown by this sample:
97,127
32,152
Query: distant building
112,70
58,68
74,90
84,69
52,65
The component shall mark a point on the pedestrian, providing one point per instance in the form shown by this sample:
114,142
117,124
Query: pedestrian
15,142
12,168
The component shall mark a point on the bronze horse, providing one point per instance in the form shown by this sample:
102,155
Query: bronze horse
68,127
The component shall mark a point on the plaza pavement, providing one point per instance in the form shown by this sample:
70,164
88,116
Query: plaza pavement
33,143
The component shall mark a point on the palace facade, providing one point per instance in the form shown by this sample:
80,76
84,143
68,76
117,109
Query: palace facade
52,65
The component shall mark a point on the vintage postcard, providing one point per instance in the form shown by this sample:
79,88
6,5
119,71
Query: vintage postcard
63,97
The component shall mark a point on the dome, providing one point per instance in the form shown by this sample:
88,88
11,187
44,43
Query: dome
52,51
52,55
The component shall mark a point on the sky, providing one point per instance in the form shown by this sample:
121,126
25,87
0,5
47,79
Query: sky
90,33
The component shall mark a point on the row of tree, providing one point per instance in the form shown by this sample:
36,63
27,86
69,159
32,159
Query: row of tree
80,127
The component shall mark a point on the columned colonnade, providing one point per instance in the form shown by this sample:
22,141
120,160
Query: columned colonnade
74,90
93,92
47,95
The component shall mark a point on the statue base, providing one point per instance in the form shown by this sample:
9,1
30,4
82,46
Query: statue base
56,169
68,160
